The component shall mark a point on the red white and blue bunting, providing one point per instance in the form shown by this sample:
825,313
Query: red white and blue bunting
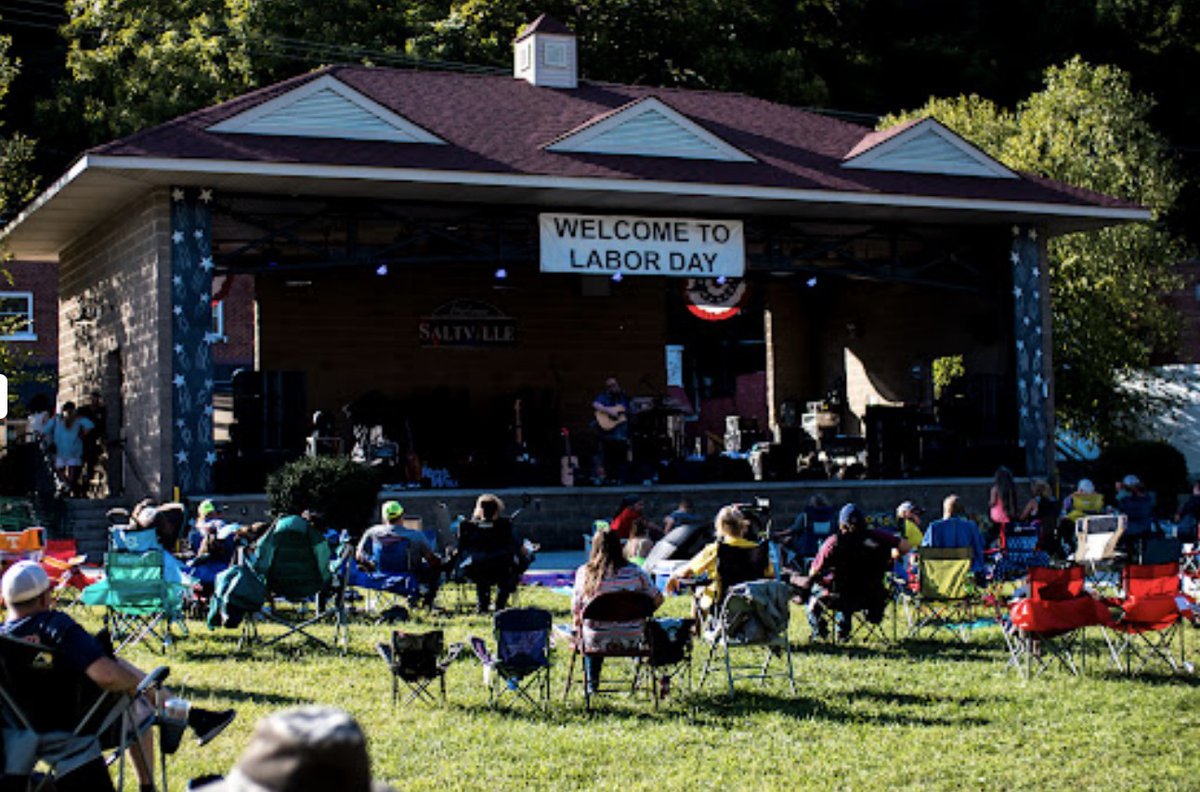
192,338
1033,364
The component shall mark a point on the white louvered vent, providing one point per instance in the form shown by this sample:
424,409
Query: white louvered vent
649,128
326,108
929,147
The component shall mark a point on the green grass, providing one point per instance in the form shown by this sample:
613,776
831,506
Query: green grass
929,715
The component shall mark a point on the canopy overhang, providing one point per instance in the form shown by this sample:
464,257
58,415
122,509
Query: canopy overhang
98,185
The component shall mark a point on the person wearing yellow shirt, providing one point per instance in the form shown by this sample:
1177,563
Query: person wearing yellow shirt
908,522
732,528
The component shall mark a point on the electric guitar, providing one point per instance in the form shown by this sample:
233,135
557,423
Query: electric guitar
607,422
570,462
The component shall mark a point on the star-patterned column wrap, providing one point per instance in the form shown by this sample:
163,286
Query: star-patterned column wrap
1031,336
191,340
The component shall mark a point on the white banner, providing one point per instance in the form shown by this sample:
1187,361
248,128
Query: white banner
612,244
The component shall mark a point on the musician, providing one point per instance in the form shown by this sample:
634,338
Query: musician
612,409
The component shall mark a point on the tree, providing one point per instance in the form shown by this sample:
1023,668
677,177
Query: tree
17,186
1089,128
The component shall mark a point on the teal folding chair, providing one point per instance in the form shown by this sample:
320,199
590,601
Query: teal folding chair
140,602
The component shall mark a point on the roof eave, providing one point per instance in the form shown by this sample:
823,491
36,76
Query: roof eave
84,196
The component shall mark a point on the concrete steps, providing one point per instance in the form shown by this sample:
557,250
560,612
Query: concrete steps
86,521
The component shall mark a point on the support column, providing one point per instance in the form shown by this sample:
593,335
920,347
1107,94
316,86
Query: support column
192,336
1031,317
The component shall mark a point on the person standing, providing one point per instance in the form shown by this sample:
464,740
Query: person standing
66,432
611,422
1002,503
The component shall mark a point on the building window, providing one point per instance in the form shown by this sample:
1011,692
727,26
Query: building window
16,316
218,321
555,53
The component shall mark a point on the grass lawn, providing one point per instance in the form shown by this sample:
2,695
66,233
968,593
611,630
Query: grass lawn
930,715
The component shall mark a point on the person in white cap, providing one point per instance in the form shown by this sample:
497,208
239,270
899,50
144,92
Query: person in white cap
307,749
25,588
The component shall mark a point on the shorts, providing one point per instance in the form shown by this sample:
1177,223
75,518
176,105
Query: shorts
63,462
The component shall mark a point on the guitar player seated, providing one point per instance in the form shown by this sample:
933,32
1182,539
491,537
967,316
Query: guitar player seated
611,408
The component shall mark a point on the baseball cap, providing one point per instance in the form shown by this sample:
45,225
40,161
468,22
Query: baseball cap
850,515
392,509
207,507
23,581
1131,481
908,506
307,749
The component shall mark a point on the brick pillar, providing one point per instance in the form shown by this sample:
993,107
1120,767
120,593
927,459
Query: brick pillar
192,338
1031,317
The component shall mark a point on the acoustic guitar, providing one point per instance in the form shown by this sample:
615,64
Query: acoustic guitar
570,462
608,422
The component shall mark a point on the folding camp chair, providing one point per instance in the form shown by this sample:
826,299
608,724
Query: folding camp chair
610,607
945,592
522,662
62,720
28,544
1049,623
416,660
295,562
670,656
1097,538
139,601
64,566
1149,620
753,613
391,579
1020,552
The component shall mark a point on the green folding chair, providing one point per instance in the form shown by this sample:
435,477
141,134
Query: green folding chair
306,584
946,593
139,601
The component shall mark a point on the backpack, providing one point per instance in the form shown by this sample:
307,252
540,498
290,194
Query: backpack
238,590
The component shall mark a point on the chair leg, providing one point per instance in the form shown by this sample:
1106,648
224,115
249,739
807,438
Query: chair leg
728,668
571,675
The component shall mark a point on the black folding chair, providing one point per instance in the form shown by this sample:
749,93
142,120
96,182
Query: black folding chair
522,662
417,661
64,721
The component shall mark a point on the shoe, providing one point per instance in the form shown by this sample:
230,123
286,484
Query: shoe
207,724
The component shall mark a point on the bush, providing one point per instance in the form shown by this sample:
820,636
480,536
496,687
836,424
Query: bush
341,490
1160,466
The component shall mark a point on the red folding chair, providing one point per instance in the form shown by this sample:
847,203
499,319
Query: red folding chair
1149,619
64,565
1049,623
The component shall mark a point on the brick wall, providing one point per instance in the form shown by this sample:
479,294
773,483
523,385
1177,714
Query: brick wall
115,327
238,347
41,279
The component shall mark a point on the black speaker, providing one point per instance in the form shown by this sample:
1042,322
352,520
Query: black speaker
269,411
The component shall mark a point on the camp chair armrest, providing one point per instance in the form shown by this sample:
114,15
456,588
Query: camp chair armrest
154,679
385,651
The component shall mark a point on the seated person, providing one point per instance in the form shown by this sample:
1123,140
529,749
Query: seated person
908,522
955,530
847,575
1043,510
605,571
214,544
27,596
1188,515
1084,501
639,545
311,747
421,562
489,554
1138,508
732,527
632,512
684,514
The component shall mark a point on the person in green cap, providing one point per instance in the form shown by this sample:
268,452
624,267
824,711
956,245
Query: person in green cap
422,562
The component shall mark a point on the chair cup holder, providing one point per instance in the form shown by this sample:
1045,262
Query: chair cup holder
170,734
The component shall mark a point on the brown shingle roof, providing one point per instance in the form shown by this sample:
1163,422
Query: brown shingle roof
497,124
545,24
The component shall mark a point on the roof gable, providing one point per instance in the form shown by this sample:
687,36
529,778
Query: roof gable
647,127
925,146
326,108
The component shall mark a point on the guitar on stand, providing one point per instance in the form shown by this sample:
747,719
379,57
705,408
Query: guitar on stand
413,469
570,462
520,450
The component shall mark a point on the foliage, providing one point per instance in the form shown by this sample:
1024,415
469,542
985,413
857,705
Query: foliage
945,371
931,715
1089,128
16,150
1161,467
344,492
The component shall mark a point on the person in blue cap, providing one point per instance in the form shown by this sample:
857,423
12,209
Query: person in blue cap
847,575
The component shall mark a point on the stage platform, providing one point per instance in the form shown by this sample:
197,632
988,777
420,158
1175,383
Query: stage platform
558,517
